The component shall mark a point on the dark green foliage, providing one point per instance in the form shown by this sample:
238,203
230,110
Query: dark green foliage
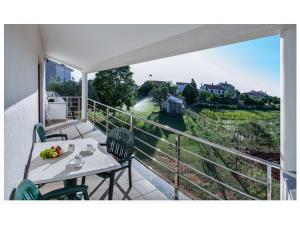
115,87
69,88
160,93
190,92
146,88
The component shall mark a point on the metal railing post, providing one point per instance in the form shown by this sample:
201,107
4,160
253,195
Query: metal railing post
94,118
176,187
131,123
107,119
79,108
269,182
67,106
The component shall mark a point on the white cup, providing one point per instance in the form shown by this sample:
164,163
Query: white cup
71,148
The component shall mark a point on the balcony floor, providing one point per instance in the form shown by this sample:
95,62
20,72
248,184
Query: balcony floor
146,184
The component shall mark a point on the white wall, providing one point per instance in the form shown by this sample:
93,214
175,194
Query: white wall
23,50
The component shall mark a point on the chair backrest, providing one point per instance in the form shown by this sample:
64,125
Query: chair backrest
41,131
27,191
120,143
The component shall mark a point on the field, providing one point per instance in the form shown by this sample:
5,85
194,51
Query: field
249,131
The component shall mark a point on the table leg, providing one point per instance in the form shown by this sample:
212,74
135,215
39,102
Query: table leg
111,185
71,183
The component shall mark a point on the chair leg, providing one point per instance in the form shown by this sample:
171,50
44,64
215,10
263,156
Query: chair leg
129,174
83,181
111,185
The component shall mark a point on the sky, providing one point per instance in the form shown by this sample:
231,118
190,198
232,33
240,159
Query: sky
250,65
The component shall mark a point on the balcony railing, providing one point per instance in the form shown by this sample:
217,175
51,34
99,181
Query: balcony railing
73,106
195,166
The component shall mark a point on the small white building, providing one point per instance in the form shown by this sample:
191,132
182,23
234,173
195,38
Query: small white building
174,105
213,89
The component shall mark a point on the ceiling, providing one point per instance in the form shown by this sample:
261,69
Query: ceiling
91,48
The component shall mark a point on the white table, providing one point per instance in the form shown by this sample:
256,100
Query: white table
58,169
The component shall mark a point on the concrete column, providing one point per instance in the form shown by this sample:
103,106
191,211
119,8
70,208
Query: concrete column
84,96
288,112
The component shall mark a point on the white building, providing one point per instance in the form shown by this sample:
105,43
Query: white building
213,89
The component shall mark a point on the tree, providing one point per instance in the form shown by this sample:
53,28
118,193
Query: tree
160,93
146,88
68,88
92,91
115,87
190,92
172,88
203,97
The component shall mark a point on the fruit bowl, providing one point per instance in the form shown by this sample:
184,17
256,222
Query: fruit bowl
50,153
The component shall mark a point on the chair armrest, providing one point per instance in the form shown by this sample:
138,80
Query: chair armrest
66,191
126,159
57,135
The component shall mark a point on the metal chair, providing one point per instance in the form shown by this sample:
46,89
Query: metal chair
27,190
42,133
119,144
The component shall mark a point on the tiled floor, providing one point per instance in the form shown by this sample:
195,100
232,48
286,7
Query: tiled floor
146,185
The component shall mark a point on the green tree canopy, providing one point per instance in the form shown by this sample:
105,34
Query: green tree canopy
115,87
190,92
68,88
146,87
160,93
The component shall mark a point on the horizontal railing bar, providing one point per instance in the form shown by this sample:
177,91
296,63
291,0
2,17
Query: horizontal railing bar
224,167
157,149
68,97
120,120
201,188
107,106
154,159
159,138
97,110
99,123
220,182
112,123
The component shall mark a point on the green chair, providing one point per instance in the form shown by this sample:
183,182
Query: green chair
119,144
42,133
28,191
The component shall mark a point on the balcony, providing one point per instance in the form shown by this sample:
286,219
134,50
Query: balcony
198,168
187,168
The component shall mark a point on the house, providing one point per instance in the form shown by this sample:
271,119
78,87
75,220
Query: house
221,88
174,105
158,82
57,72
181,86
258,95
213,89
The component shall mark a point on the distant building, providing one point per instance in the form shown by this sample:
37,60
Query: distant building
259,95
57,72
158,82
181,86
219,89
213,89
174,105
